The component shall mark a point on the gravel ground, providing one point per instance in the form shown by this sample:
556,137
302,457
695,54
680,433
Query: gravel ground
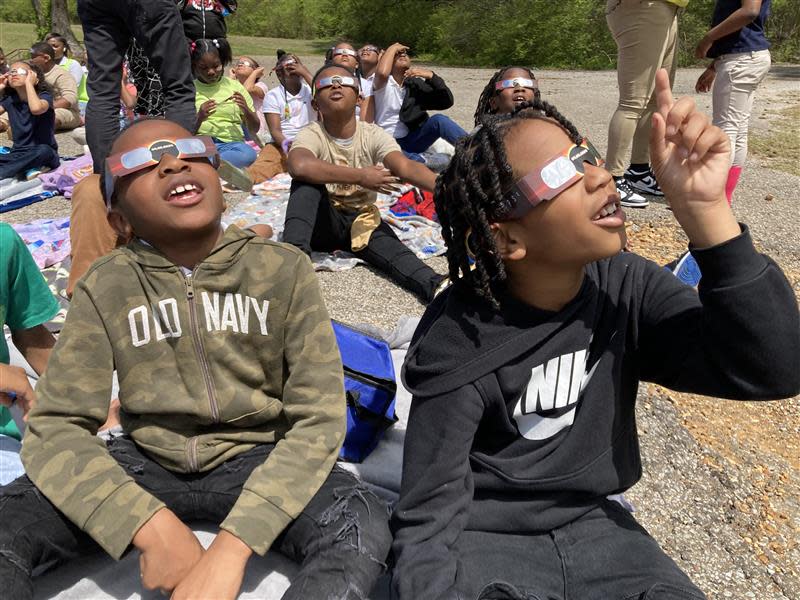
721,485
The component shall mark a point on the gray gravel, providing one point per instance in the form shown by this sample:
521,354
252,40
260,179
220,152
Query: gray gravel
700,504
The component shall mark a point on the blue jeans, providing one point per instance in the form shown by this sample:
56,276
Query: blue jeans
22,158
341,538
419,140
10,464
239,154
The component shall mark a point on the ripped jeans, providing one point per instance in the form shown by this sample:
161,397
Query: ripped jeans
341,539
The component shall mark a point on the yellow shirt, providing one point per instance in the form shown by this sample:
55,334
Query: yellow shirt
227,120
368,147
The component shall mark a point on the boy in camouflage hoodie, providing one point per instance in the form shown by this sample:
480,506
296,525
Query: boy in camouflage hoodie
231,396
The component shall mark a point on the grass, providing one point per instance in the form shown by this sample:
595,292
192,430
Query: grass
20,36
780,144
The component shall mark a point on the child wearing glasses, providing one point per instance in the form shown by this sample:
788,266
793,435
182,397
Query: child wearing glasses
524,373
507,89
403,94
231,394
27,100
248,72
338,165
224,106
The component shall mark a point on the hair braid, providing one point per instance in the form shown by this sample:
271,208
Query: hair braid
472,193
484,102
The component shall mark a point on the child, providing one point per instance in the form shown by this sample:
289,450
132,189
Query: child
65,92
368,56
525,372
506,90
231,399
26,97
25,305
62,53
248,72
287,109
741,56
336,173
402,94
344,55
223,104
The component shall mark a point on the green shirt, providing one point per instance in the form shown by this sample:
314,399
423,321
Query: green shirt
227,121
25,300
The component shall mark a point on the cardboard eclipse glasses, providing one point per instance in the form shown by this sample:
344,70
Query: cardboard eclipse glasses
515,83
341,80
124,163
553,177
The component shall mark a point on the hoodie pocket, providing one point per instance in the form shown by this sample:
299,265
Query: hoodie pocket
259,416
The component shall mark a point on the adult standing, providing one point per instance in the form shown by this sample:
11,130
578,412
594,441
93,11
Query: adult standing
740,49
646,34
108,28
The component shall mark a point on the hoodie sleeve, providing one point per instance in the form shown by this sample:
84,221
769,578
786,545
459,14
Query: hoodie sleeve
62,455
314,404
738,338
435,493
434,94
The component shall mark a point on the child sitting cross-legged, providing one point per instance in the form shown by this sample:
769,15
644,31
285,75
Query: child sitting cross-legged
524,373
231,393
338,165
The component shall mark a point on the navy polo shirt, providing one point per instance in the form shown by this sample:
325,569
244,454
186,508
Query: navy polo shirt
748,39
30,129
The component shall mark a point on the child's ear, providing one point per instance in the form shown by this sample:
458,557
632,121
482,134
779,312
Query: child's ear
314,104
120,224
509,245
493,103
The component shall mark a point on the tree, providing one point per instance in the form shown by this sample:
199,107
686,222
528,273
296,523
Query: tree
53,15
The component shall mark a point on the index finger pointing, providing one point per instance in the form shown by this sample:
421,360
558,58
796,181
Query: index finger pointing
664,98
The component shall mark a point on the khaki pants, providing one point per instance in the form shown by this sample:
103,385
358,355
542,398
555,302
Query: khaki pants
738,76
270,162
67,119
646,33
90,234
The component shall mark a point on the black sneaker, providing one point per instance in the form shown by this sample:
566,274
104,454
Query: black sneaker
644,182
628,197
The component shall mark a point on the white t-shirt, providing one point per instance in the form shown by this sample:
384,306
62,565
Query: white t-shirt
388,102
366,85
295,111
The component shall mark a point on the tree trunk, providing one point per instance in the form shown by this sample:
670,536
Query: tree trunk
42,18
59,22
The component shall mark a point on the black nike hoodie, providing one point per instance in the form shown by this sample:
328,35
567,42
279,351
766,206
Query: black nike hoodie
523,420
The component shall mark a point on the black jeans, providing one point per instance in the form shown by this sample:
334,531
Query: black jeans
341,538
312,223
22,158
604,555
108,26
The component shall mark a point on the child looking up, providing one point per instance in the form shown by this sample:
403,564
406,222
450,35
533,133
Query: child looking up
248,72
344,55
336,172
506,90
28,101
403,94
368,56
524,373
231,394
224,106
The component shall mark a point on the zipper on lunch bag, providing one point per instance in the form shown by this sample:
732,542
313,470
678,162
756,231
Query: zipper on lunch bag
386,385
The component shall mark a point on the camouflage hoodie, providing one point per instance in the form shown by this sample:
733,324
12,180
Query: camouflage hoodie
240,353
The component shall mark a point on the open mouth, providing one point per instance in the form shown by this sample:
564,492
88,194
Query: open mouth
336,95
610,214
518,98
185,194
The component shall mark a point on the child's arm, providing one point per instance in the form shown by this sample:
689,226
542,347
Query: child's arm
435,494
740,337
737,20
249,117
250,83
303,165
128,95
435,93
384,69
410,170
35,344
14,380
36,105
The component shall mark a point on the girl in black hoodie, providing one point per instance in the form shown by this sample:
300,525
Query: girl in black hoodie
525,372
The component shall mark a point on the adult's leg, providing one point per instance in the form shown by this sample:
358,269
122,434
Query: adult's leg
238,154
159,31
438,126
311,222
269,162
386,252
106,38
341,540
607,554
20,159
641,31
90,235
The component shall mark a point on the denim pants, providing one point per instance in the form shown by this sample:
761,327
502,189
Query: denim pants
23,158
239,154
108,28
10,463
419,140
341,538
312,223
604,555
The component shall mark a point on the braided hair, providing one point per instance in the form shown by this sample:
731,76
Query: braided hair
489,92
472,193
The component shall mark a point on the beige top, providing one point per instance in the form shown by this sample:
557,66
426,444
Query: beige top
64,86
368,147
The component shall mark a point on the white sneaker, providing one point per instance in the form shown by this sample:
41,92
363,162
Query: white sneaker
628,197
644,182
